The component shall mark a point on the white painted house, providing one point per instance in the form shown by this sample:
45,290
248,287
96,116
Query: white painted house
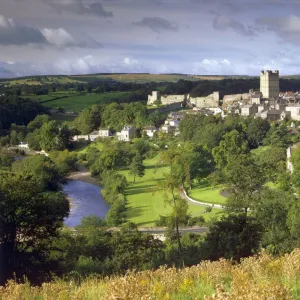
23,145
105,132
126,134
150,131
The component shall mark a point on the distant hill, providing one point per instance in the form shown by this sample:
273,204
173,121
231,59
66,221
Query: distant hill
124,77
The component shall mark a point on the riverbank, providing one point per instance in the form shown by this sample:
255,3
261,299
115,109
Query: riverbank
84,176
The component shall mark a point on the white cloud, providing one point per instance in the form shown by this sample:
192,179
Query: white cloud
58,37
214,67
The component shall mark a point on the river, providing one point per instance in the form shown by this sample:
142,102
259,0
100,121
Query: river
85,200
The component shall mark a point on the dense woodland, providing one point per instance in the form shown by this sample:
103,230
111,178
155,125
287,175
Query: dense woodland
245,155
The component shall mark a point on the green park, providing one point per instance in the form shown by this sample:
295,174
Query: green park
146,201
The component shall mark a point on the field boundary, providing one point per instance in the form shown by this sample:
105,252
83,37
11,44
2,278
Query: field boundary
187,197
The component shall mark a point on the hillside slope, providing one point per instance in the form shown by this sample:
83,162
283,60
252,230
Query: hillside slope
258,277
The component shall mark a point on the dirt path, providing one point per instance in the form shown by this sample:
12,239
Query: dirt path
183,195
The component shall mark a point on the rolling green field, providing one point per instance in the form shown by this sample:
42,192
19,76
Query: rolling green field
60,118
207,193
77,102
39,80
146,203
132,77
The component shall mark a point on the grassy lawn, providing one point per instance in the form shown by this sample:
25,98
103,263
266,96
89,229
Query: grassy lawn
83,148
40,98
202,191
146,203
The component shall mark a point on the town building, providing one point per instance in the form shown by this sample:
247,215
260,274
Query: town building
105,132
23,145
249,110
294,110
94,135
167,128
255,97
150,131
126,134
77,138
269,84
274,114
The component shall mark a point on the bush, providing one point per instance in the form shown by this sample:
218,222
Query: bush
196,221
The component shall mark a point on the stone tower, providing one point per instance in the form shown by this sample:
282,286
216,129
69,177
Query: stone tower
269,84
154,97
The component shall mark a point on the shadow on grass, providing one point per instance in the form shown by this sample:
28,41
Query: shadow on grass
132,212
140,189
146,223
134,190
155,167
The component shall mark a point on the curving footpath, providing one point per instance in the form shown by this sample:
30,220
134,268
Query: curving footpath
185,196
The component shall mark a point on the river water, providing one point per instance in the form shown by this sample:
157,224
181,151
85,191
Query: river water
86,201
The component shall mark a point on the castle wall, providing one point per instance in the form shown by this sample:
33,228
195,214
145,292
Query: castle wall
166,100
229,99
211,100
154,97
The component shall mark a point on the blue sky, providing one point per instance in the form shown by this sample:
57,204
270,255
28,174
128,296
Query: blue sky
158,36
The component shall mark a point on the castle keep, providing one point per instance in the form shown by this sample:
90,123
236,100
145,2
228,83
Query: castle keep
269,84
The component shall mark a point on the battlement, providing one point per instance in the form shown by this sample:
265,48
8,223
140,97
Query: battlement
269,84
269,72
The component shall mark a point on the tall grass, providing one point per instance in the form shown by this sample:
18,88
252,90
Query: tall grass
258,277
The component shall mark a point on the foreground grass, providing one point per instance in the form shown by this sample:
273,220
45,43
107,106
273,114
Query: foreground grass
145,202
259,277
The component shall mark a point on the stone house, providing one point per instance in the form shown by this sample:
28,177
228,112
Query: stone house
248,110
289,152
274,114
94,135
85,137
23,145
150,131
105,132
166,128
126,134
294,110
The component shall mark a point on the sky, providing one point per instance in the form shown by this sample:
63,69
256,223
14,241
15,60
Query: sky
205,37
